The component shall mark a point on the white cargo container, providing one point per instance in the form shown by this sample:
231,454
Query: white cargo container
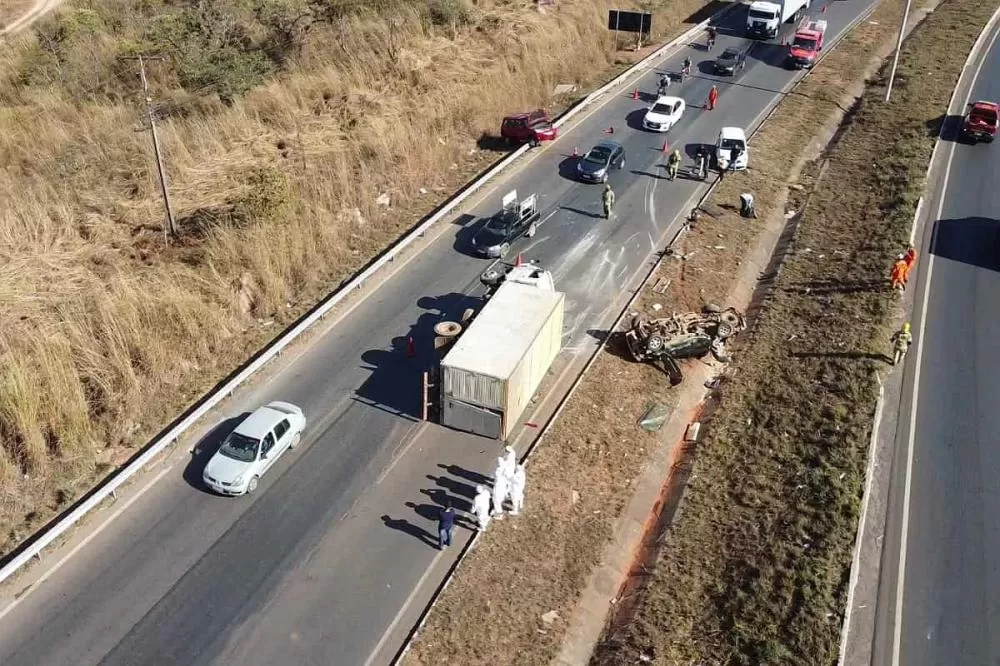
495,367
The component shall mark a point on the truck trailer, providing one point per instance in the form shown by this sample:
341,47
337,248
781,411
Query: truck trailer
764,19
491,373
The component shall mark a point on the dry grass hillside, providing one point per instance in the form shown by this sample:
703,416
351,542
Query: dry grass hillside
281,121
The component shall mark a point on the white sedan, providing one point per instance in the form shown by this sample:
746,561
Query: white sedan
664,114
252,448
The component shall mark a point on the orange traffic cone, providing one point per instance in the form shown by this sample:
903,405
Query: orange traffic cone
610,130
665,148
518,261
635,94
411,348
576,153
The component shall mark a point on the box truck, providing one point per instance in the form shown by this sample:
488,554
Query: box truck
489,376
764,19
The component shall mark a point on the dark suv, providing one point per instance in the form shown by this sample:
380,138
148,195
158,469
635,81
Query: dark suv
730,61
533,126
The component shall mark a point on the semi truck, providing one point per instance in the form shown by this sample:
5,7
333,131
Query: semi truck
806,44
492,370
764,19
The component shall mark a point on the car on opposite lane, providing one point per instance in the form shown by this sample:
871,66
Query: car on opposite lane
729,61
596,165
981,122
664,114
253,447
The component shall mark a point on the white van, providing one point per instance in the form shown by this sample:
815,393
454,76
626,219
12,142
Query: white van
730,138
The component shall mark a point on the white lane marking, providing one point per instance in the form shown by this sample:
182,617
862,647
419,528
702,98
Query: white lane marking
406,604
90,537
925,297
413,436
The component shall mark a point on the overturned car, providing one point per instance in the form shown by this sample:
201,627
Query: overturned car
663,342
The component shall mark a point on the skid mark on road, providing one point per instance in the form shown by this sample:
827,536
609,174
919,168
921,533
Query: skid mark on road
571,258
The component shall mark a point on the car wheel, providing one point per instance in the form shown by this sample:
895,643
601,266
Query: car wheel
252,484
532,230
295,440
504,249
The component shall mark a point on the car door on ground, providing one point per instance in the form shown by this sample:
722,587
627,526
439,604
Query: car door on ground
268,452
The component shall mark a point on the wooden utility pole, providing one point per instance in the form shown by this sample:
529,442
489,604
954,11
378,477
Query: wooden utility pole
151,116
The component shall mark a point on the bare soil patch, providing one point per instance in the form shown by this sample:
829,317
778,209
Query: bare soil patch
11,10
755,569
492,612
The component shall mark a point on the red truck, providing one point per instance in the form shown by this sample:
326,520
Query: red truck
533,126
807,44
980,123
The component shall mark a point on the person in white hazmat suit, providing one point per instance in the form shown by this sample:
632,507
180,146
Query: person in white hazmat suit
509,461
501,487
517,489
481,507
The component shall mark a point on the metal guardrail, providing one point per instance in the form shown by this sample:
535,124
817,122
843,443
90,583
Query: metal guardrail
768,113
33,548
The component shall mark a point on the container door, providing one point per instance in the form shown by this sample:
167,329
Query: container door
470,418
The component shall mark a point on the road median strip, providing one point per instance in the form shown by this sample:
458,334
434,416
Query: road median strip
474,599
756,568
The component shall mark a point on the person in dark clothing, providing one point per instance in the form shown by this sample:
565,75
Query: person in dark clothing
446,522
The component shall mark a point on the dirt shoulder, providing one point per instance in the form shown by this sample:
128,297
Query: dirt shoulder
499,607
755,570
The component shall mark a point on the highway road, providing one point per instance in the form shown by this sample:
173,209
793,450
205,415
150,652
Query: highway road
949,439
330,561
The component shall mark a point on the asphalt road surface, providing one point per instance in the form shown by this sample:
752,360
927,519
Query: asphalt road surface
951,587
316,567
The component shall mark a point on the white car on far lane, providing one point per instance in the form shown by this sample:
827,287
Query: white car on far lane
664,114
250,450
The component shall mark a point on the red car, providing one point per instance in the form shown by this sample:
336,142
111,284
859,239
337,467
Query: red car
533,126
981,121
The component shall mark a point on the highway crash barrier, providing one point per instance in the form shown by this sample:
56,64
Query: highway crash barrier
37,543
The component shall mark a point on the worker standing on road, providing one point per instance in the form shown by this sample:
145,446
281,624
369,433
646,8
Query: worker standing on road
713,97
446,522
608,199
481,507
517,484
501,486
901,340
910,258
673,164
509,461
897,276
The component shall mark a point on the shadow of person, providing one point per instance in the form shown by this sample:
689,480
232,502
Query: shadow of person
411,529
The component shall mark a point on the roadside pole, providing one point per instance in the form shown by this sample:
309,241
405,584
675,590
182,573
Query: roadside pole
899,47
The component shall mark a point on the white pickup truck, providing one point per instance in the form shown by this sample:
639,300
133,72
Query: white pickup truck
764,18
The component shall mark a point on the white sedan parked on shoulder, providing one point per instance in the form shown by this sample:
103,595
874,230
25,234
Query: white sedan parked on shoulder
252,448
664,114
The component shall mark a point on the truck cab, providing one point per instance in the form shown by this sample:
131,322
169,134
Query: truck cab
764,18
806,45
980,122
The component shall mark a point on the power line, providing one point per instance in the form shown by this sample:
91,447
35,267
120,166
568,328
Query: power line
151,115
